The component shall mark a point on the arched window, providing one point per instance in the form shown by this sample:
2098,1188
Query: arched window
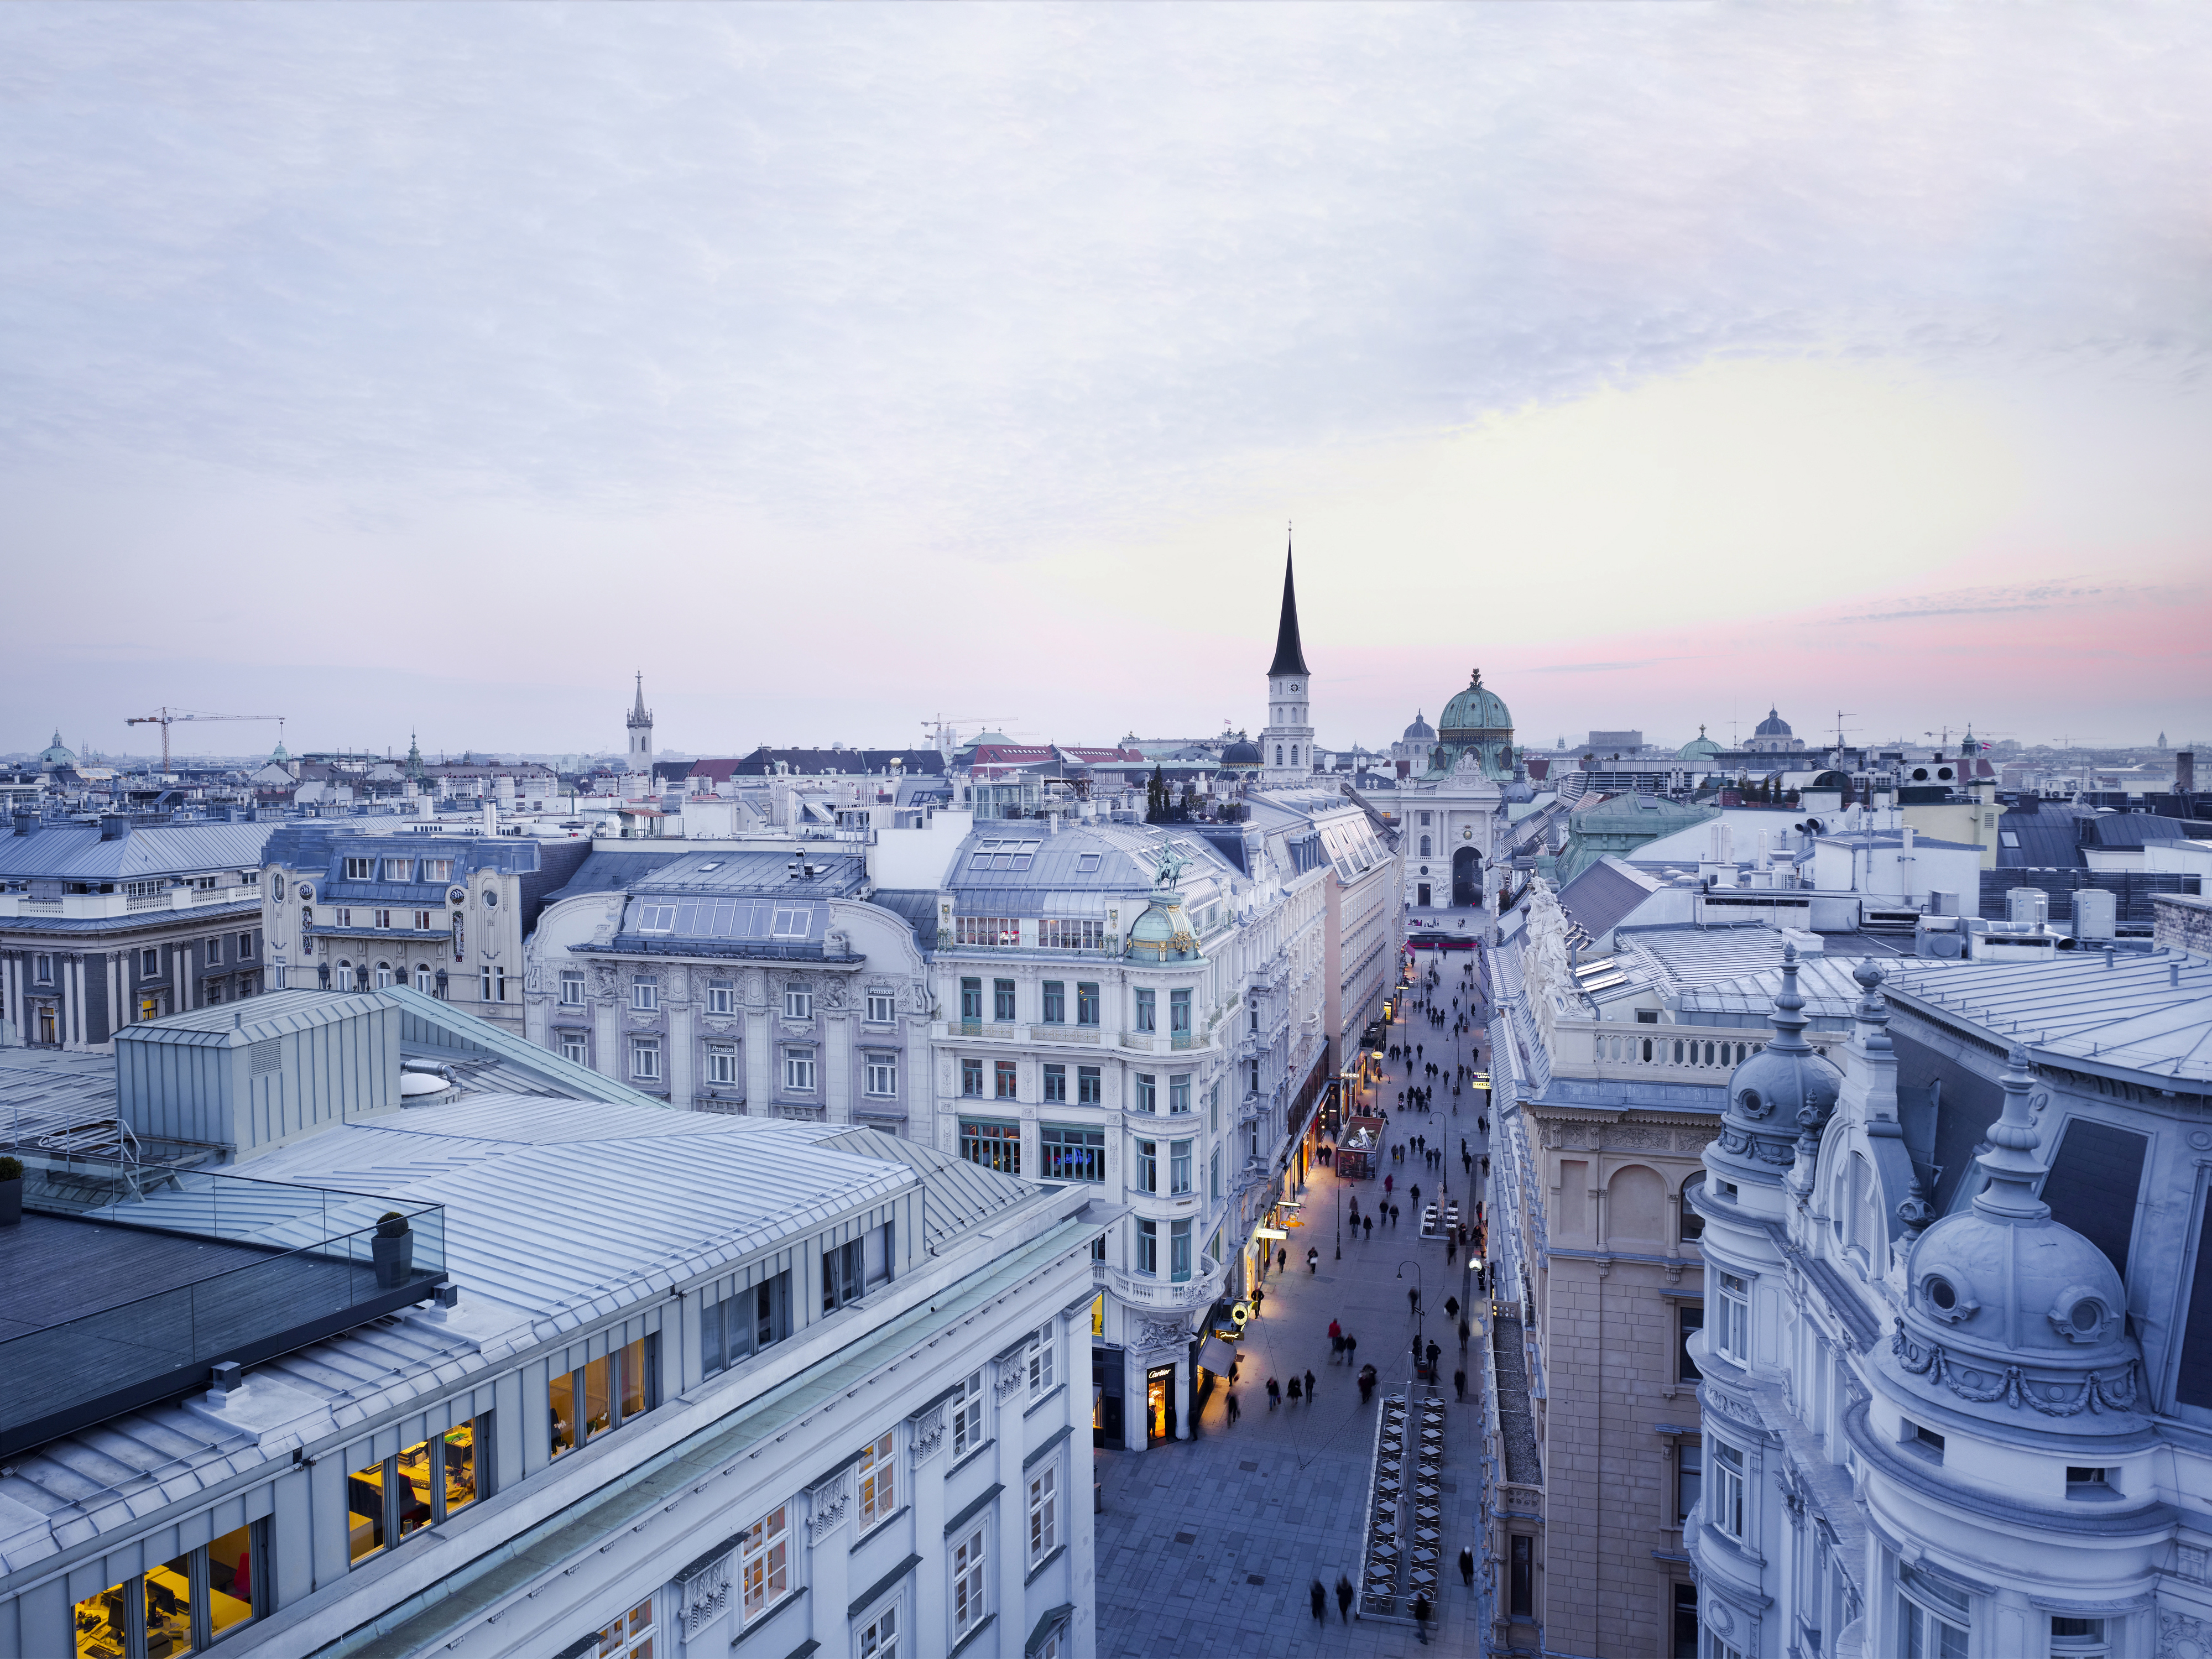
1425,846
383,976
1693,1224
1279,754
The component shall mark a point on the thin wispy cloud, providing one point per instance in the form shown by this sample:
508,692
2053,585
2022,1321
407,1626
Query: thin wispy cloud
646,330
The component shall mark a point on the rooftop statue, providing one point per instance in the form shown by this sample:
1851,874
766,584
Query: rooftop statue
1168,865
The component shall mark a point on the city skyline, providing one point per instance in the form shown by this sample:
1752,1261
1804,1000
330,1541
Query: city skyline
1856,359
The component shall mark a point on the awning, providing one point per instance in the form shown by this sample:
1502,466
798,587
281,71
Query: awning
1216,1356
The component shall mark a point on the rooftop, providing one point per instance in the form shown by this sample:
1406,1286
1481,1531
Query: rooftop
124,1287
2111,1012
77,852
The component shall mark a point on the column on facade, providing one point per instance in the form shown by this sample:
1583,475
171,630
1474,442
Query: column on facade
606,1032
683,1059
838,1064
760,1054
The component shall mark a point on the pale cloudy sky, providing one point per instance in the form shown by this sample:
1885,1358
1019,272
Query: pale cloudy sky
392,367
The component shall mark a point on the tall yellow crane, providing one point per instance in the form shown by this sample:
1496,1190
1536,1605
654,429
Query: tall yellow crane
165,717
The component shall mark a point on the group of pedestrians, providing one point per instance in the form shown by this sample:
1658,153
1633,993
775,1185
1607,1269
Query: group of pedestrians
1423,1609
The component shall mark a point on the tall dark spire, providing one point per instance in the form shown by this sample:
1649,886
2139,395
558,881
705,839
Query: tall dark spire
1290,658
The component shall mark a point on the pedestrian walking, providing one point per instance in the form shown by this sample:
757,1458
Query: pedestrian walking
1234,1410
1274,1394
1459,1385
1309,1387
1351,1347
1421,1618
1282,1260
1388,1183
1433,1352
1294,1390
1313,1261
1335,1338
1465,1330
1412,1301
1368,1227
1451,1307
1258,1295
1318,1598
1394,1214
1416,1190
1466,1566
1344,1598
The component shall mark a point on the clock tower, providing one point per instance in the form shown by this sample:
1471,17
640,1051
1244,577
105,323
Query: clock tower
1286,742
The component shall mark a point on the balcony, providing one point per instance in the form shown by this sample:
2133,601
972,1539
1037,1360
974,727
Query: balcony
1200,1291
128,1283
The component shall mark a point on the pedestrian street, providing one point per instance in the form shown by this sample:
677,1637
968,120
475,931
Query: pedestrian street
1210,1545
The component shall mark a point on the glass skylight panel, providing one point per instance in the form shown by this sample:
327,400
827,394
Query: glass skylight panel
656,918
1086,863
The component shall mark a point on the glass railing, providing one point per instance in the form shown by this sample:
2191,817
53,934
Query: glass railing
326,1261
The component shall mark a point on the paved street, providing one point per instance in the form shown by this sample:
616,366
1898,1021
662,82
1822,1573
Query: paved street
1208,1546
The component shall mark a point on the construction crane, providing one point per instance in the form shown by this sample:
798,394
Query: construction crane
165,717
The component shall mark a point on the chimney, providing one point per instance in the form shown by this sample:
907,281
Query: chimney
1908,837
2184,772
26,822
114,826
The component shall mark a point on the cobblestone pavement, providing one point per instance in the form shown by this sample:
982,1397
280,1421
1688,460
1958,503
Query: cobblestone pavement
1208,1546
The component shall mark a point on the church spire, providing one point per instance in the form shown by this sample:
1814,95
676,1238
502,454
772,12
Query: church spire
638,716
1290,658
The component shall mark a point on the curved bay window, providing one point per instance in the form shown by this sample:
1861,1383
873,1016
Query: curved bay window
1933,1618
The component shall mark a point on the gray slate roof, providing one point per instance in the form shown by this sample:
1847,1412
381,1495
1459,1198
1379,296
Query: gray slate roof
74,852
2146,1012
1605,894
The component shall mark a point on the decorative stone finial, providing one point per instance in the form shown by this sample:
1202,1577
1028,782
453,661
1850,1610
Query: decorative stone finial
2011,1163
1915,1211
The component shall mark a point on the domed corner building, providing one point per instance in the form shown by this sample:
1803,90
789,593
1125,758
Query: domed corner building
1773,736
1700,749
1451,810
1476,722
1411,754
1923,1434
57,757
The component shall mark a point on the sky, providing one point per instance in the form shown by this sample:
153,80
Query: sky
433,369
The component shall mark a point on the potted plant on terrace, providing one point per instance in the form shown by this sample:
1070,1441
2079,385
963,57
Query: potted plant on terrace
393,1250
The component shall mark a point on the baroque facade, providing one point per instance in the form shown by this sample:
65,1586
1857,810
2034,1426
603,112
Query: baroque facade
1138,1011
1602,1112
1451,808
1958,1389
742,978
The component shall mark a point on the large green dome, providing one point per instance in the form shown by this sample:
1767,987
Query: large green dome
1700,747
1477,710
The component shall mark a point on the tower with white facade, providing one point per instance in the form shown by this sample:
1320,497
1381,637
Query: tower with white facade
1287,743
641,731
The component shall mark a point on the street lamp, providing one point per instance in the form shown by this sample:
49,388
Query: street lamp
1421,1311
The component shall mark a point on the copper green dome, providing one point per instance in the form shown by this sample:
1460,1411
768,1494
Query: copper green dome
1474,714
1699,748
1163,934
